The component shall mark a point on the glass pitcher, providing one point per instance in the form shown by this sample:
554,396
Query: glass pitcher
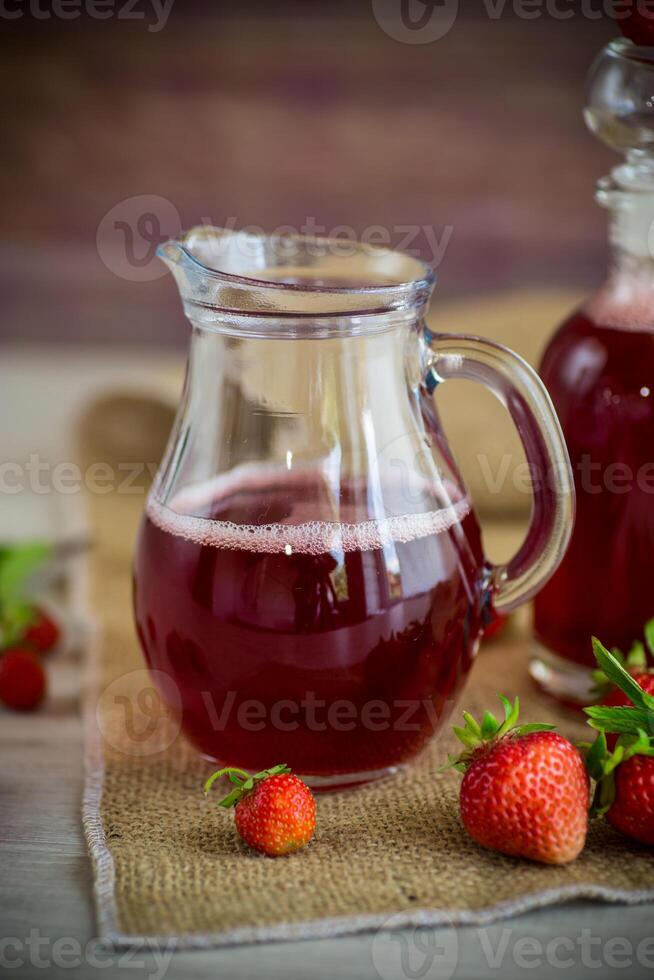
309,569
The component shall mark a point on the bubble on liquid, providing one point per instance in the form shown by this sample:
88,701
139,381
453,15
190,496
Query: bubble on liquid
625,304
309,537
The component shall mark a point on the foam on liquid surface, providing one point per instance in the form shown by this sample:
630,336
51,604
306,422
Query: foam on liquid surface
291,536
626,304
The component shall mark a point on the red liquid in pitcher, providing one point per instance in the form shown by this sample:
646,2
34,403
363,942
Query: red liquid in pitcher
333,646
600,374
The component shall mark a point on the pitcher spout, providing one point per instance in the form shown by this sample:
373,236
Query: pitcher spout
199,263
216,252
171,253
215,267
331,286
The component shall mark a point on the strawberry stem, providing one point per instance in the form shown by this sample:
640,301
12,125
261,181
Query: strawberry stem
230,771
244,781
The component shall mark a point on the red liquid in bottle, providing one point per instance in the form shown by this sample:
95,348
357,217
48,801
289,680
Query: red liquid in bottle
333,647
599,370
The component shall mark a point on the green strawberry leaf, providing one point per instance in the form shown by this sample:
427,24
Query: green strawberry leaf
649,635
603,798
453,762
471,724
489,725
605,764
641,744
17,565
278,770
595,757
14,622
621,678
473,736
508,707
244,781
532,727
469,739
636,658
601,683
231,799
627,721
511,715
602,764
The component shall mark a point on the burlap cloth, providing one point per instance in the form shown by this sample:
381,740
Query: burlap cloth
167,861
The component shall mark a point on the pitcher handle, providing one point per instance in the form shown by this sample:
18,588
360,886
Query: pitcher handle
522,392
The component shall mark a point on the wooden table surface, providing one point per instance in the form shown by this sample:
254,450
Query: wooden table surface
46,914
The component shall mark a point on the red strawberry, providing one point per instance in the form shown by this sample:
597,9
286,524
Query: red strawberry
275,811
624,776
624,790
636,664
22,679
632,811
525,790
618,697
637,21
43,634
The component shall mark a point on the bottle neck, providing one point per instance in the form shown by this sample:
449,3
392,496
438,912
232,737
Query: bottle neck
626,301
631,225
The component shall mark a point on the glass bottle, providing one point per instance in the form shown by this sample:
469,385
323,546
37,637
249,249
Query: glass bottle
599,370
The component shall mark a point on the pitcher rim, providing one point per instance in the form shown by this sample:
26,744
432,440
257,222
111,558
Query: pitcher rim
396,291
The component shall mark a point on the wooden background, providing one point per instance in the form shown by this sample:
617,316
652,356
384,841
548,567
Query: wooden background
272,113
